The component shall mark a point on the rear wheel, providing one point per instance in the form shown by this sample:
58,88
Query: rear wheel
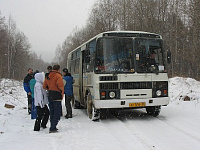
92,113
153,110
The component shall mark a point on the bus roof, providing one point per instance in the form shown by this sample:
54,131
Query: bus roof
122,34
131,34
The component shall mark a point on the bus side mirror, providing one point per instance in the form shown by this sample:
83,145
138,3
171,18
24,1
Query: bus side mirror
168,57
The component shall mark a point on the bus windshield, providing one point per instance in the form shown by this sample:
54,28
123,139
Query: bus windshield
114,55
149,55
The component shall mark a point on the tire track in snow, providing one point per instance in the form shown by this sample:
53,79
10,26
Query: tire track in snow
155,130
115,124
179,129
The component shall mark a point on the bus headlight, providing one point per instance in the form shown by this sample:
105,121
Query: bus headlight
160,89
158,93
112,94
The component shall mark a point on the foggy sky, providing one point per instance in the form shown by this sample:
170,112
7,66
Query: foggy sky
46,23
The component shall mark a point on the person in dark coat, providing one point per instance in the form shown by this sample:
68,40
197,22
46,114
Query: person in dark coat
26,85
68,92
49,68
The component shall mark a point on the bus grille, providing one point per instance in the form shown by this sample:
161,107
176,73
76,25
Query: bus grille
136,85
106,86
108,78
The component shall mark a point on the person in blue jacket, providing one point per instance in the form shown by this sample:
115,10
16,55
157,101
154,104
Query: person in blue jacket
26,84
68,92
32,85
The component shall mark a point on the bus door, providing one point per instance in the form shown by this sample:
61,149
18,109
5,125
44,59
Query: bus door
85,66
81,78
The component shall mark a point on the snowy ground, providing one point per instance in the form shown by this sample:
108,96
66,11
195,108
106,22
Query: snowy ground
177,127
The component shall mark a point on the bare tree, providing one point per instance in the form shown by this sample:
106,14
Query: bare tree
178,21
15,52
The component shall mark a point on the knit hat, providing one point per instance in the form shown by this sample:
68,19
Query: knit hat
36,71
65,70
49,68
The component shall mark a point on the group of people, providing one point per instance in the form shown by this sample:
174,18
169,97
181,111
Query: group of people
45,93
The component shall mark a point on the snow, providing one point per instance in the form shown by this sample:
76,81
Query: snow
177,126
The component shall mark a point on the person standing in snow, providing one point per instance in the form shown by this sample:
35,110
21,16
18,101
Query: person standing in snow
68,92
54,84
41,101
26,85
49,68
32,85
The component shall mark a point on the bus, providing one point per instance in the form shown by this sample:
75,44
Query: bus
119,70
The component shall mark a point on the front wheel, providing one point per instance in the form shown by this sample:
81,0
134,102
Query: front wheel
91,111
153,110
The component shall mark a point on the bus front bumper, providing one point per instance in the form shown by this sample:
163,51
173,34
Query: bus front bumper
130,103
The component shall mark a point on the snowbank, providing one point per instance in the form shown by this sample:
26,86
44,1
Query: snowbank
177,127
179,88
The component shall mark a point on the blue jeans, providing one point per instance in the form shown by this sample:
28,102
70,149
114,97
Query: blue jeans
33,110
55,113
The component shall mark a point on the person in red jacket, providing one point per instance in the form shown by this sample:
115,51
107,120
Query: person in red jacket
54,84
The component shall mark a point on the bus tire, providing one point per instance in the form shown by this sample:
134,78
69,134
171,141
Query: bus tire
92,113
153,110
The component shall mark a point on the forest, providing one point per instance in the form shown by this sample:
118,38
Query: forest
15,52
177,21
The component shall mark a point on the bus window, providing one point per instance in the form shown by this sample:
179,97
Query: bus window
150,55
72,57
78,52
114,55
88,57
70,69
72,66
92,48
76,68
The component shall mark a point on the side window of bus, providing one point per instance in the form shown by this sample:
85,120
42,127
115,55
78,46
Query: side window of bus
86,60
76,67
78,52
92,49
88,55
72,57
72,64
70,69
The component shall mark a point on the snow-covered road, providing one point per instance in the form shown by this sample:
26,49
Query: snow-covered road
177,126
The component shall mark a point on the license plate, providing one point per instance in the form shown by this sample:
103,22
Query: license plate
141,104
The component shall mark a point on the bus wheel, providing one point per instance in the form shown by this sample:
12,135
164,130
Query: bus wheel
153,110
91,111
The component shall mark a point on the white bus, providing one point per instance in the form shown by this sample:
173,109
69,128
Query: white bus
120,69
